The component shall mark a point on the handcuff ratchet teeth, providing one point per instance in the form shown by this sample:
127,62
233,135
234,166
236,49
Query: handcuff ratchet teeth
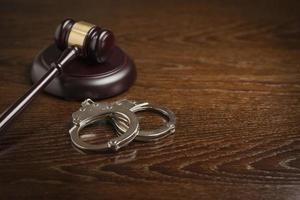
145,135
91,112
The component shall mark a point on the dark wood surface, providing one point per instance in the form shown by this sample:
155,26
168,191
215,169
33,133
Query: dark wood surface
230,70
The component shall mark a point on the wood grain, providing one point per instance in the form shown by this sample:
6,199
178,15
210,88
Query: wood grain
230,70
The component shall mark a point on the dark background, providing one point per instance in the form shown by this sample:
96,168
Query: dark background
230,70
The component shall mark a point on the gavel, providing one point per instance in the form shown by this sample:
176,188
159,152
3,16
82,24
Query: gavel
76,39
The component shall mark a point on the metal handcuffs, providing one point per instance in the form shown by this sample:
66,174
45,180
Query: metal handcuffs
121,114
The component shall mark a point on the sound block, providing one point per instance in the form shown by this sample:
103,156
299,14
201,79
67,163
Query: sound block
82,79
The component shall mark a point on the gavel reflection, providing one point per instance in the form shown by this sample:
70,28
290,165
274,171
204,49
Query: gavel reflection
76,39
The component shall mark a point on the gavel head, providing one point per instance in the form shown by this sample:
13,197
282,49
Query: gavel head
94,42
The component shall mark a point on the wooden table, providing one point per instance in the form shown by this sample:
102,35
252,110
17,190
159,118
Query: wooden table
230,70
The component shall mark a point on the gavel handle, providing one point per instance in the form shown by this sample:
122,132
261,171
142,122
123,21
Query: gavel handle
7,116
23,101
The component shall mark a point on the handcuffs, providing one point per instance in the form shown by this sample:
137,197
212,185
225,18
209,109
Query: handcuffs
122,116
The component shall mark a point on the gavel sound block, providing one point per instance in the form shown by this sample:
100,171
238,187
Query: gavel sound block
84,79
103,70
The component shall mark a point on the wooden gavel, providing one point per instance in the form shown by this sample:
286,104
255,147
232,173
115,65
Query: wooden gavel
76,39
